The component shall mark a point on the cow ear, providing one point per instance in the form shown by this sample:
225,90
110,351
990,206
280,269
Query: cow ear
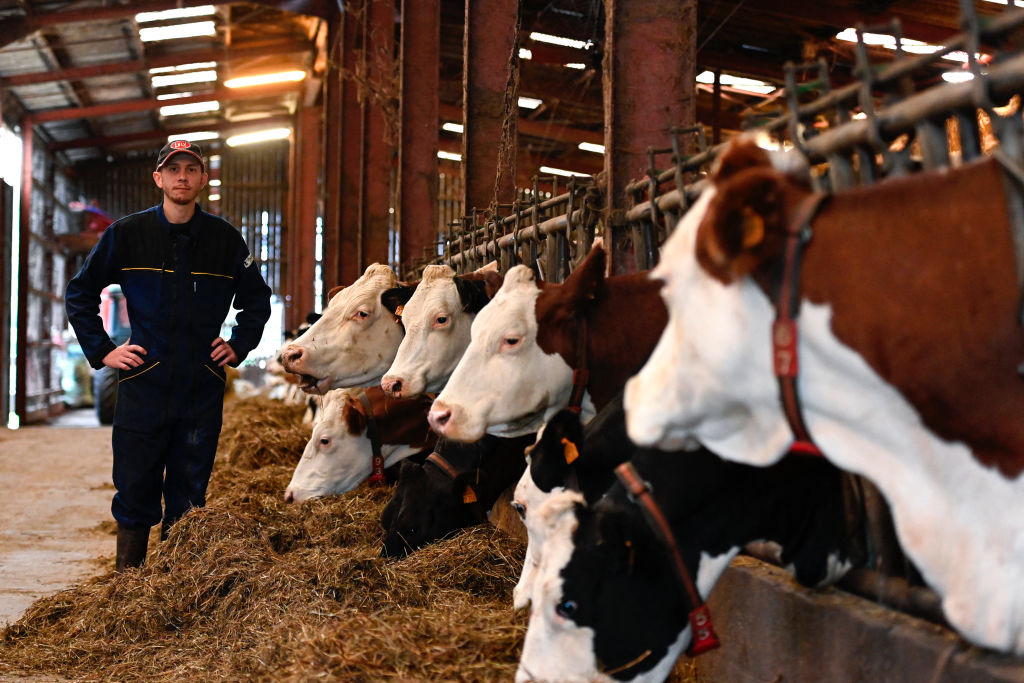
472,293
587,280
396,297
741,154
743,226
334,290
353,418
492,282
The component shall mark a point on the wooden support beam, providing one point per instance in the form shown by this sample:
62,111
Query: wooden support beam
350,124
417,151
126,106
300,237
25,233
145,136
332,160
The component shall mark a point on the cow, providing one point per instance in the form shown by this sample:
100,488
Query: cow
338,456
908,355
355,340
607,603
526,343
551,468
454,488
437,315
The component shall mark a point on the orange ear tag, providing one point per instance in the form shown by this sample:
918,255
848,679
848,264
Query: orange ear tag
469,495
570,451
753,228
399,309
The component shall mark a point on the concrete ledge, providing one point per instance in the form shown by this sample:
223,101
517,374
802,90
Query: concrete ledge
774,630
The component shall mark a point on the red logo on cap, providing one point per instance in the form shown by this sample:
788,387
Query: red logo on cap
180,144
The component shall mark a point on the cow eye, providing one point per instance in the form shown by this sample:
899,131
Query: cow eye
566,608
325,441
510,342
520,509
441,320
361,315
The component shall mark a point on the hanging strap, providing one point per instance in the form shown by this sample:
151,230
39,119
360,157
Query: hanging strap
704,637
580,376
372,433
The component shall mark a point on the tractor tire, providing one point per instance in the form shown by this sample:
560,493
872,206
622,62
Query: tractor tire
104,391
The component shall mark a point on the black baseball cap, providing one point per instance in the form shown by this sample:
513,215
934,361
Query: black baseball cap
179,146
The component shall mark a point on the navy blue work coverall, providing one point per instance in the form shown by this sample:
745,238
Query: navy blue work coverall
178,282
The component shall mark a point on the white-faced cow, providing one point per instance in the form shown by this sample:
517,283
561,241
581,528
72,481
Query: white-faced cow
339,454
454,488
437,315
608,600
907,359
526,343
354,342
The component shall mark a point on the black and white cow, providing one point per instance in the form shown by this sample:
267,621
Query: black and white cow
455,488
606,602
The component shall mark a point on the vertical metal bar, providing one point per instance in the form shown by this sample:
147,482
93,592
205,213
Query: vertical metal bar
25,231
660,35
489,40
417,151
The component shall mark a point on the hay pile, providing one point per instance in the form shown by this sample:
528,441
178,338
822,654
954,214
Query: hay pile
259,431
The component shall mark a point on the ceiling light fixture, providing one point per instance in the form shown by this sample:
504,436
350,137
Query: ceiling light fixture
197,136
449,156
174,95
191,108
562,172
198,11
558,40
258,136
195,29
736,82
452,127
908,45
184,79
182,67
575,65
525,53
591,147
529,102
264,79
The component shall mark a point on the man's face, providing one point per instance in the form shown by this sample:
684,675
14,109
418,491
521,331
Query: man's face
181,179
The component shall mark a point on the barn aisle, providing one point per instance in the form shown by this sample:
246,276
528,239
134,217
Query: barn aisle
55,523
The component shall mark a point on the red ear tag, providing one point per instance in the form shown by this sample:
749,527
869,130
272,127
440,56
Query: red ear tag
704,637
469,495
378,470
571,453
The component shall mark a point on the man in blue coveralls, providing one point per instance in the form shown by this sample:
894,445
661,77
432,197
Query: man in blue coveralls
179,268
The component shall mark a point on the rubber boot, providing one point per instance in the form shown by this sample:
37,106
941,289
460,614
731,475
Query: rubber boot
132,543
165,528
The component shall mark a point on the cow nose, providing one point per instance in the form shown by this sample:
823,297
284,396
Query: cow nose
291,356
392,386
289,497
439,416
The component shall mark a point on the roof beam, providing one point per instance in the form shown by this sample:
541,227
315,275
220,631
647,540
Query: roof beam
127,106
538,129
113,68
113,140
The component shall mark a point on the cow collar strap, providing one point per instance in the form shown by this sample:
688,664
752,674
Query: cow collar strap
468,494
703,631
580,375
785,334
372,433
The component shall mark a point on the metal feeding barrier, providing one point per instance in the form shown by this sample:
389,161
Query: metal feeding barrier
849,139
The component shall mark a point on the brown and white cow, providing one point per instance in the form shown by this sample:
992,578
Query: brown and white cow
518,368
338,456
355,341
908,352
437,315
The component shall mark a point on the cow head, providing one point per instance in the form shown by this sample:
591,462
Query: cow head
704,379
427,506
338,456
437,317
605,604
517,370
548,461
353,343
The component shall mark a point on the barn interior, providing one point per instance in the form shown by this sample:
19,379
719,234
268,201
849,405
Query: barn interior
341,133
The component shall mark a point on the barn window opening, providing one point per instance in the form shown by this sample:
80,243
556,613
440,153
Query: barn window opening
10,173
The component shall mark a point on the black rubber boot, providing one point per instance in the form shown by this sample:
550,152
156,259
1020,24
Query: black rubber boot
165,528
132,543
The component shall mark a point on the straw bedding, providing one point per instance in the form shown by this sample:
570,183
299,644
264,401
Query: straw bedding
251,588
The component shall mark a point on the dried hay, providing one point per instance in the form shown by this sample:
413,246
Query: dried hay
260,431
253,588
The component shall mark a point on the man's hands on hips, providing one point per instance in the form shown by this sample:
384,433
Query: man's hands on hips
125,357
222,352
